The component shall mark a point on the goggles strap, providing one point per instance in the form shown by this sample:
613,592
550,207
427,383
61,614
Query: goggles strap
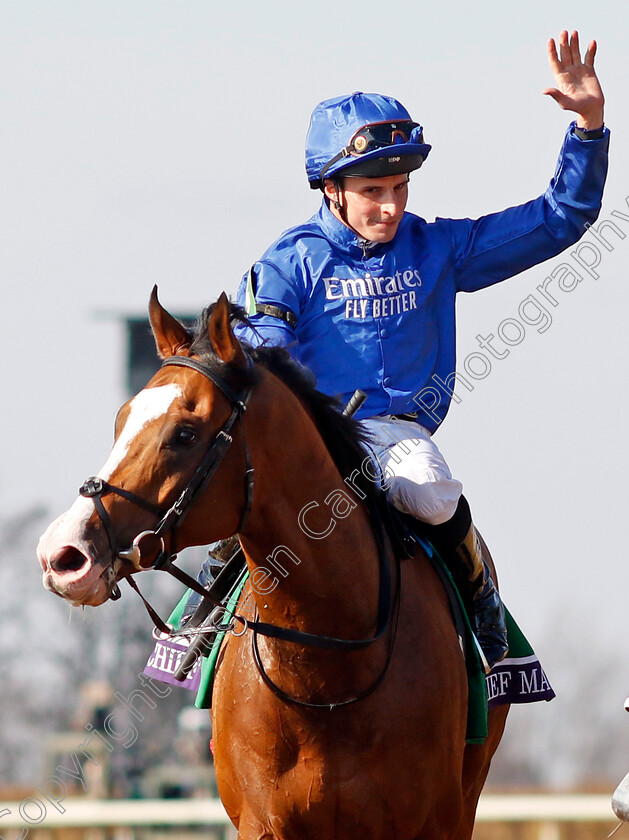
396,134
343,153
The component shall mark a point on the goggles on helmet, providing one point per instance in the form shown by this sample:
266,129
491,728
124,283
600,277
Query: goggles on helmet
378,135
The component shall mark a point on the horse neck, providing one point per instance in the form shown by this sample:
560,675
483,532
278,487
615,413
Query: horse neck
326,584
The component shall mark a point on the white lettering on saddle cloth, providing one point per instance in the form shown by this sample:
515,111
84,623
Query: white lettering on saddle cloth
375,297
518,680
165,659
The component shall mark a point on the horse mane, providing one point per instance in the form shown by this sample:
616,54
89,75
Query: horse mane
343,436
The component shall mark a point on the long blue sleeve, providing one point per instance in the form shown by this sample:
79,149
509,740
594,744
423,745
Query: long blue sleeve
381,316
503,244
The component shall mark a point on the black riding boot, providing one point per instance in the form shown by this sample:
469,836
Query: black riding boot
461,549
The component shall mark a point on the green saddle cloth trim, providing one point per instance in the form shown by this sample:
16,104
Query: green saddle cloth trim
519,652
477,730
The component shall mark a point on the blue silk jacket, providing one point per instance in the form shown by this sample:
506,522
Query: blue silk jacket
381,316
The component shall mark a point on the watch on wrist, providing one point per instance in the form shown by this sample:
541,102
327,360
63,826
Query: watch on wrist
589,133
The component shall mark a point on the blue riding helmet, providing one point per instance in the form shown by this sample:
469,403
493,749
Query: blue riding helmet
362,134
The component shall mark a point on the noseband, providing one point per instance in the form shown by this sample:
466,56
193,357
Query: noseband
148,549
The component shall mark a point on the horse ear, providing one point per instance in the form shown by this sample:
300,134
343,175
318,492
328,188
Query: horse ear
223,340
171,337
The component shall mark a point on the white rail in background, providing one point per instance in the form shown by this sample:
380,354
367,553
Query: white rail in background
38,814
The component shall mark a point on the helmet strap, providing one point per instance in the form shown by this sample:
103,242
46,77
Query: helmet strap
339,203
340,206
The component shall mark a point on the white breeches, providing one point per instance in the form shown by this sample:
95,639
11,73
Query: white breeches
417,479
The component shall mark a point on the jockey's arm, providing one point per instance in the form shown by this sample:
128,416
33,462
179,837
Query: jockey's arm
500,245
276,329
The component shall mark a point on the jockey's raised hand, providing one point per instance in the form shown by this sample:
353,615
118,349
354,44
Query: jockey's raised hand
578,88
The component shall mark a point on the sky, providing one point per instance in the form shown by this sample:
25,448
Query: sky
161,143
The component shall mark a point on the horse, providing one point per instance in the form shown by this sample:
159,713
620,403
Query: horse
362,737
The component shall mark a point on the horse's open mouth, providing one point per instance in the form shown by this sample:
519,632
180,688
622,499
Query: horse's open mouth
69,559
76,578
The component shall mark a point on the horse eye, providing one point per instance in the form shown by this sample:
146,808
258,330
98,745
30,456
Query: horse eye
184,436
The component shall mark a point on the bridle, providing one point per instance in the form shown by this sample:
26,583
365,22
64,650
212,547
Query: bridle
148,549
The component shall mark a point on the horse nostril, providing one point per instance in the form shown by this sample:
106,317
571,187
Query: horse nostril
67,560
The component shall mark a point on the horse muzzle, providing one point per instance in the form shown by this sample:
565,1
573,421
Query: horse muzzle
73,575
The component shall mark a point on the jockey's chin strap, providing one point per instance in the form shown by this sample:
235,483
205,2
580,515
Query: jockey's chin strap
148,549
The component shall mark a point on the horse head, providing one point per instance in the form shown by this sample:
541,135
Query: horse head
169,438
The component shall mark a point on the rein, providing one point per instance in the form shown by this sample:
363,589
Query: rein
388,608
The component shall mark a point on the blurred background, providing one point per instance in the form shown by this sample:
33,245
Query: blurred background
162,142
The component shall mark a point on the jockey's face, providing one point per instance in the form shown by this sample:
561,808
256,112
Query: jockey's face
373,206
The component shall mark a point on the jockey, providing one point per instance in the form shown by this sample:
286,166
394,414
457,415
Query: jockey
363,294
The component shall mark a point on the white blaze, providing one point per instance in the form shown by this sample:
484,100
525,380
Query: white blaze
146,406
69,528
